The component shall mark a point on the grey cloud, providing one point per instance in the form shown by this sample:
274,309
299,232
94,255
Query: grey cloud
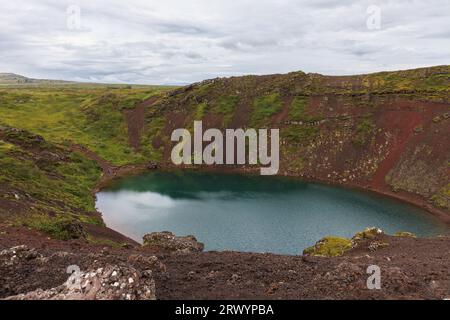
180,28
240,44
179,41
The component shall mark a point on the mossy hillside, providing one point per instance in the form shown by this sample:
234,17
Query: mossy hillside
297,109
53,184
432,84
106,242
363,132
89,116
263,93
154,131
200,111
106,131
223,105
423,79
58,227
427,84
265,107
60,176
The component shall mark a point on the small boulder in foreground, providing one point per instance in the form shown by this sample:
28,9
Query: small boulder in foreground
168,241
329,247
112,282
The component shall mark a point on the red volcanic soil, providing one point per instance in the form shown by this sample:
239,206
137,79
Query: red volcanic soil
283,115
411,126
410,269
135,119
403,122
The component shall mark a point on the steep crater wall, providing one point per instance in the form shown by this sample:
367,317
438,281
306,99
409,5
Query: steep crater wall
387,132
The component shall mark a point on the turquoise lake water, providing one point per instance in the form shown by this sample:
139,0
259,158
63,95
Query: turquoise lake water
252,213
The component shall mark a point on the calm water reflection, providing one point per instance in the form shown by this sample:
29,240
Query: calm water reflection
252,213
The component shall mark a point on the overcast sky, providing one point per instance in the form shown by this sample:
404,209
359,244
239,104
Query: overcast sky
182,41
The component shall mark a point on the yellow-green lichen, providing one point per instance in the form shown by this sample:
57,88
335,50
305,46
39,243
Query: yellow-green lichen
329,247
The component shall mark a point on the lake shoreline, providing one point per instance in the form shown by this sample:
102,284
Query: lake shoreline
401,196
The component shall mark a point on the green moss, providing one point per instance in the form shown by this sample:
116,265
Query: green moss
201,111
430,84
442,198
154,130
202,89
363,132
57,227
225,106
105,242
297,109
87,115
93,219
5,146
130,99
329,247
57,179
430,79
106,130
299,134
80,176
265,107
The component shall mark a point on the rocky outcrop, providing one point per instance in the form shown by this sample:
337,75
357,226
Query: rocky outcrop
368,233
167,241
336,246
329,247
111,282
14,255
106,278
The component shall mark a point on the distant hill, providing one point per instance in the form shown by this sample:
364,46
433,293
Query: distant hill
16,79
12,79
